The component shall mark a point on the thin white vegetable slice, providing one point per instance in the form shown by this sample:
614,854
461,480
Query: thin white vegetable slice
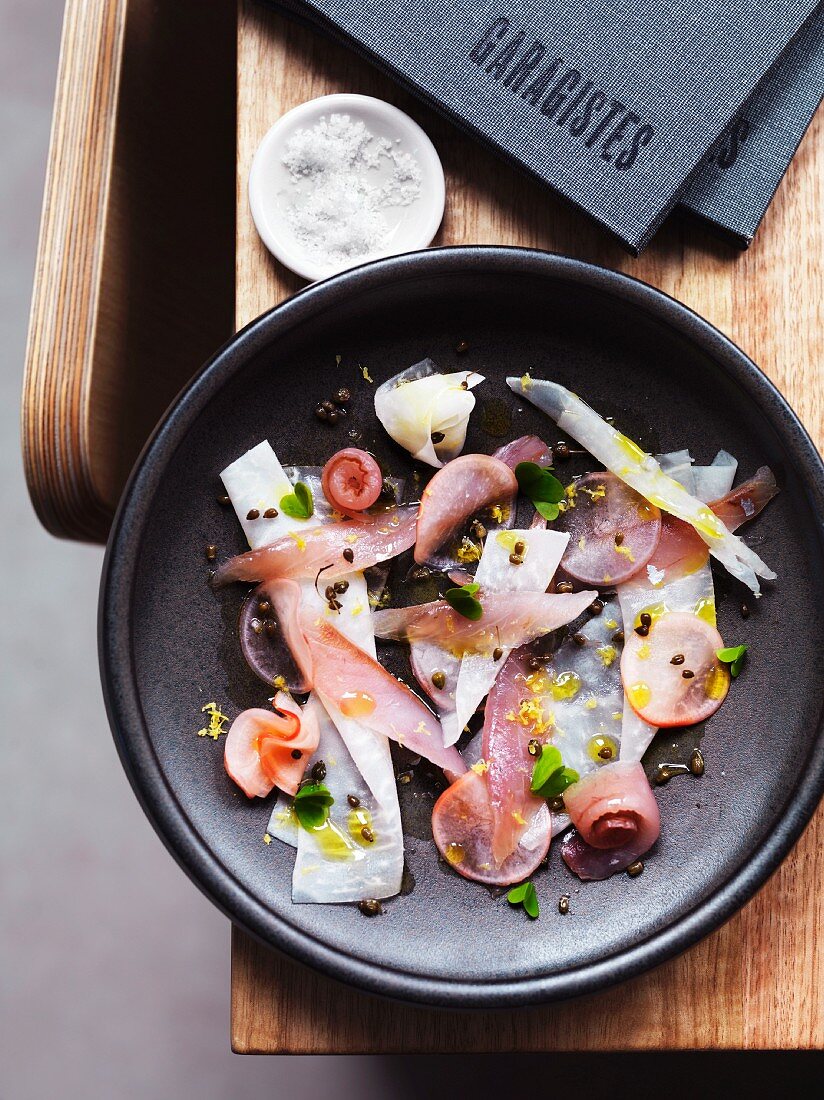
257,480
335,863
640,470
543,552
250,479
419,403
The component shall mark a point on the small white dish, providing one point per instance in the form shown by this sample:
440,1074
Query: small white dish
272,189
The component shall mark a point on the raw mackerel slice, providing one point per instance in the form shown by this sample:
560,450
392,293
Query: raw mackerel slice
301,554
616,819
360,688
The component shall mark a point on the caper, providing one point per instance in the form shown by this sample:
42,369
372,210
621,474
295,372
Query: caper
370,907
563,904
534,747
319,771
636,868
439,679
497,653
596,607
341,586
564,587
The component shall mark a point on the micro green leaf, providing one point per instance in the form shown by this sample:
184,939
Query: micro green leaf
541,486
549,776
463,601
733,656
298,504
525,895
312,804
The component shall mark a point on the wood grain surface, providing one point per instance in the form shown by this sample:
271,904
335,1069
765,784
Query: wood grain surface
758,982
134,274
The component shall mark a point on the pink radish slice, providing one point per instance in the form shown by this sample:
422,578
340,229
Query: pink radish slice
604,509
351,481
462,825
463,488
653,671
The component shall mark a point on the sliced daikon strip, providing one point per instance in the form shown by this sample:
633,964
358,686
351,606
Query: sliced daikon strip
543,552
419,403
257,480
714,481
252,481
640,470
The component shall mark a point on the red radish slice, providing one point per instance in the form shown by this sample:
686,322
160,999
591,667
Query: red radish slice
613,531
654,671
351,481
462,826
261,747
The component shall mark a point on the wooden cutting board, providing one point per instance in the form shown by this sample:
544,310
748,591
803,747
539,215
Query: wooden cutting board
133,288
759,981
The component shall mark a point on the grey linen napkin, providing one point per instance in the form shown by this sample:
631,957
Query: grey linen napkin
613,103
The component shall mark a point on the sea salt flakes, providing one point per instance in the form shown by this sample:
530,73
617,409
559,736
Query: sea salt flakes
339,213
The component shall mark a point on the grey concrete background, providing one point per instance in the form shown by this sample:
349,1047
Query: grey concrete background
114,971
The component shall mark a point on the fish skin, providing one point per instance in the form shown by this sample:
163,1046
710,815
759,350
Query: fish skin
459,490
299,556
340,667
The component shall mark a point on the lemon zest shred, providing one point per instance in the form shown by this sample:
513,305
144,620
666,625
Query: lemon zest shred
300,542
365,372
518,817
607,653
626,551
267,839
480,767
217,720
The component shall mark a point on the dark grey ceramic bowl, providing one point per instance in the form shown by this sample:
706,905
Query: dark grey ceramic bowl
168,642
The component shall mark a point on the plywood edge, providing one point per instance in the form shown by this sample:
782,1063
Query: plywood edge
65,301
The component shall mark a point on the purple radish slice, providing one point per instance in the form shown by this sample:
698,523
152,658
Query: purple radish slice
613,531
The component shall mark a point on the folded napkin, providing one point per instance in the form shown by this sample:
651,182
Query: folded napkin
613,103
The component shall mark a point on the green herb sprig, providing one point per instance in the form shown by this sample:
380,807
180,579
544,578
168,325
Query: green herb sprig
312,804
542,487
463,601
525,895
549,776
298,504
733,656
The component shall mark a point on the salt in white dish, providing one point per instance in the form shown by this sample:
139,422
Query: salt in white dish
272,189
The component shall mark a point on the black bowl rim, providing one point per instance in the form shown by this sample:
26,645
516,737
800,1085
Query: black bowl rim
131,733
